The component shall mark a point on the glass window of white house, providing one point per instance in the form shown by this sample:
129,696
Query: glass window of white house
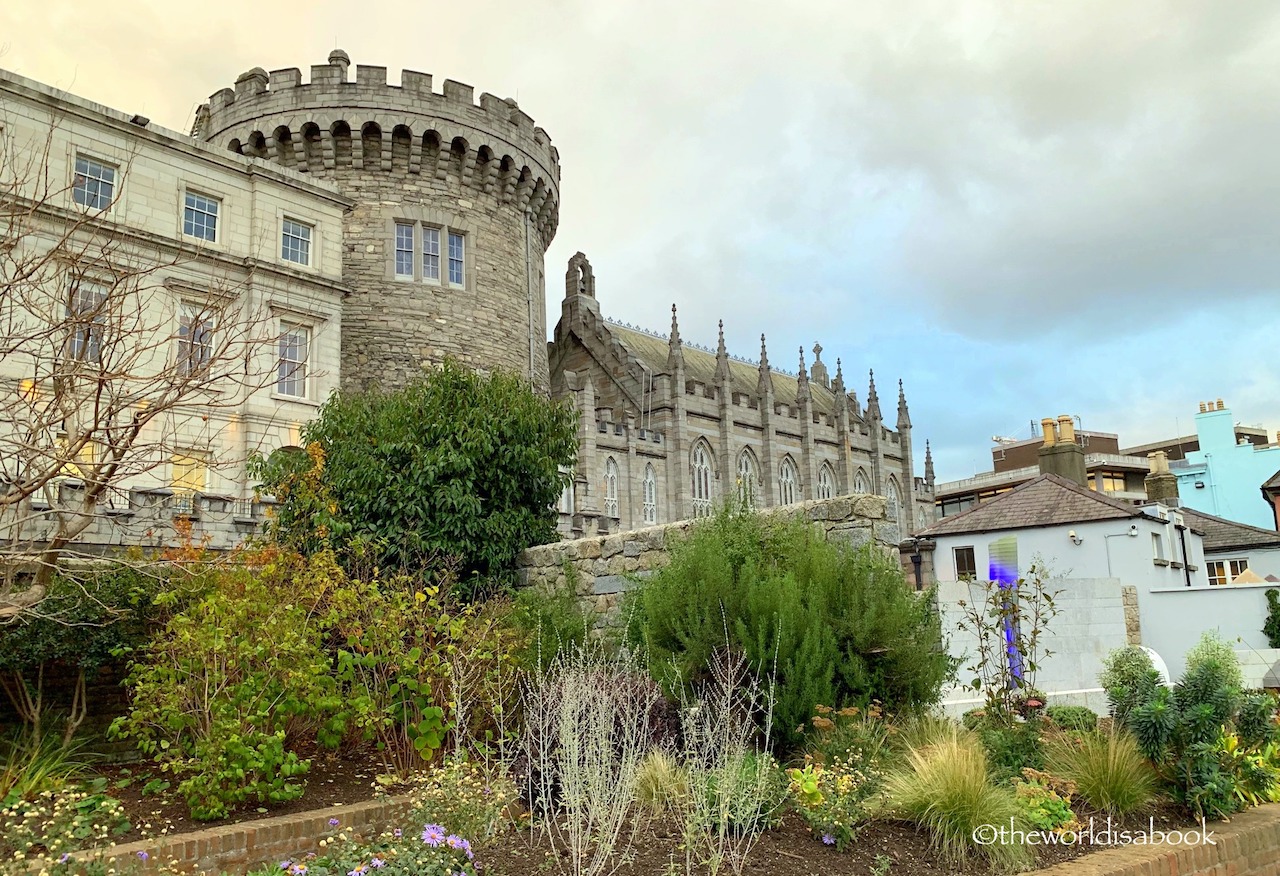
190,471
200,217
966,563
701,480
650,494
404,250
1225,571
95,183
456,245
610,488
86,319
295,242
430,253
291,374
788,479
195,339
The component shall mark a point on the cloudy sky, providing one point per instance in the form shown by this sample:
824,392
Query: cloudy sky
1022,208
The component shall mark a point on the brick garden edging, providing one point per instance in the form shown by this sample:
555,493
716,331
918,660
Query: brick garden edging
236,848
1248,845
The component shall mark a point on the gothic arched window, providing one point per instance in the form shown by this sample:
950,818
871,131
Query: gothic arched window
788,481
650,494
610,488
701,480
860,482
748,478
826,482
893,502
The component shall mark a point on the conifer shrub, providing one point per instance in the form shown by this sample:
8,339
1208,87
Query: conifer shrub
827,623
1078,718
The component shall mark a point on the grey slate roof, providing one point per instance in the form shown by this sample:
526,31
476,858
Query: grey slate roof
1221,534
1048,500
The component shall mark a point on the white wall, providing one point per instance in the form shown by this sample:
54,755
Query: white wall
1088,626
1262,561
1106,550
1174,618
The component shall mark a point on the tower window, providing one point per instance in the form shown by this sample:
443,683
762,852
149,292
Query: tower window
431,253
404,251
456,247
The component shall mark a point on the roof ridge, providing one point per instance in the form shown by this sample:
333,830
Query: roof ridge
953,524
1236,523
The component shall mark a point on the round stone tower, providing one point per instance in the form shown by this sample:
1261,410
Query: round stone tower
455,206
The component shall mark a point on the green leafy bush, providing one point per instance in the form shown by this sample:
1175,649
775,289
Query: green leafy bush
552,620
1078,718
826,623
834,797
1271,626
1130,679
947,790
226,686
456,464
1108,770
1045,808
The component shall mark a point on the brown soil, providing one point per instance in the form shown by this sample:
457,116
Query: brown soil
331,781
790,848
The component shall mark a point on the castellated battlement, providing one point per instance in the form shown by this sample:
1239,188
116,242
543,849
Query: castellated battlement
333,123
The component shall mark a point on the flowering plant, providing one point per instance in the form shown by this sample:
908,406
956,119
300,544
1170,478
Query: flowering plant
61,821
833,798
429,851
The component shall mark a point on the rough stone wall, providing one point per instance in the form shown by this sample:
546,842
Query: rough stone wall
605,566
437,160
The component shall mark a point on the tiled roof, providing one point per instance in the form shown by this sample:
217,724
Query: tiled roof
1221,535
1048,500
1272,483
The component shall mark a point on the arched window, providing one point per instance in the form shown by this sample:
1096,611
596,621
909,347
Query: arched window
650,494
826,482
922,518
860,482
788,481
566,495
748,478
701,480
893,501
610,488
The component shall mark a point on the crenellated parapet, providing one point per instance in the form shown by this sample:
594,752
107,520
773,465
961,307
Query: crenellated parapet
487,149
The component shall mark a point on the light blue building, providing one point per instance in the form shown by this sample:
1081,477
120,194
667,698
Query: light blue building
1225,475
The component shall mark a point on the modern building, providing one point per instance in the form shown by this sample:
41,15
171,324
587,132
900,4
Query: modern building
1226,474
1115,470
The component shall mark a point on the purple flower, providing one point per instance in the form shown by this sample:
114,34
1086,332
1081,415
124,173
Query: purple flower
454,841
298,870
358,871
143,856
377,863
66,856
433,835
397,833
828,839
333,822
285,865
465,845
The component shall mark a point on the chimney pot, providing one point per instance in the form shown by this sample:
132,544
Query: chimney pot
1220,405
1066,430
1050,434
1203,407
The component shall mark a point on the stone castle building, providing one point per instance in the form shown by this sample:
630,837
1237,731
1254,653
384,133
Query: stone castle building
385,227
670,431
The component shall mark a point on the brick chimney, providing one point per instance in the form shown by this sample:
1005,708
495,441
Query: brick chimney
1060,454
1161,484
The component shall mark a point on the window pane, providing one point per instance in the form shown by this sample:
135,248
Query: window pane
295,242
200,217
94,183
455,258
291,373
404,250
431,253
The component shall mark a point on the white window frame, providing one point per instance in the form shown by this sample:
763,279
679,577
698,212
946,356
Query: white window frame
195,338
430,254
302,240
293,365
1223,572
86,315
410,254
610,488
191,211
650,494
87,186
459,259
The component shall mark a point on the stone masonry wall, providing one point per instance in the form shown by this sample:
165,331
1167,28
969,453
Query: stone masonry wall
607,565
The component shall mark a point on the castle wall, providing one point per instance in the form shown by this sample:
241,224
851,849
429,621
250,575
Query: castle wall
435,162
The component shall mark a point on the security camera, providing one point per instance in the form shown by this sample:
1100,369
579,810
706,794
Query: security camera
1133,529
